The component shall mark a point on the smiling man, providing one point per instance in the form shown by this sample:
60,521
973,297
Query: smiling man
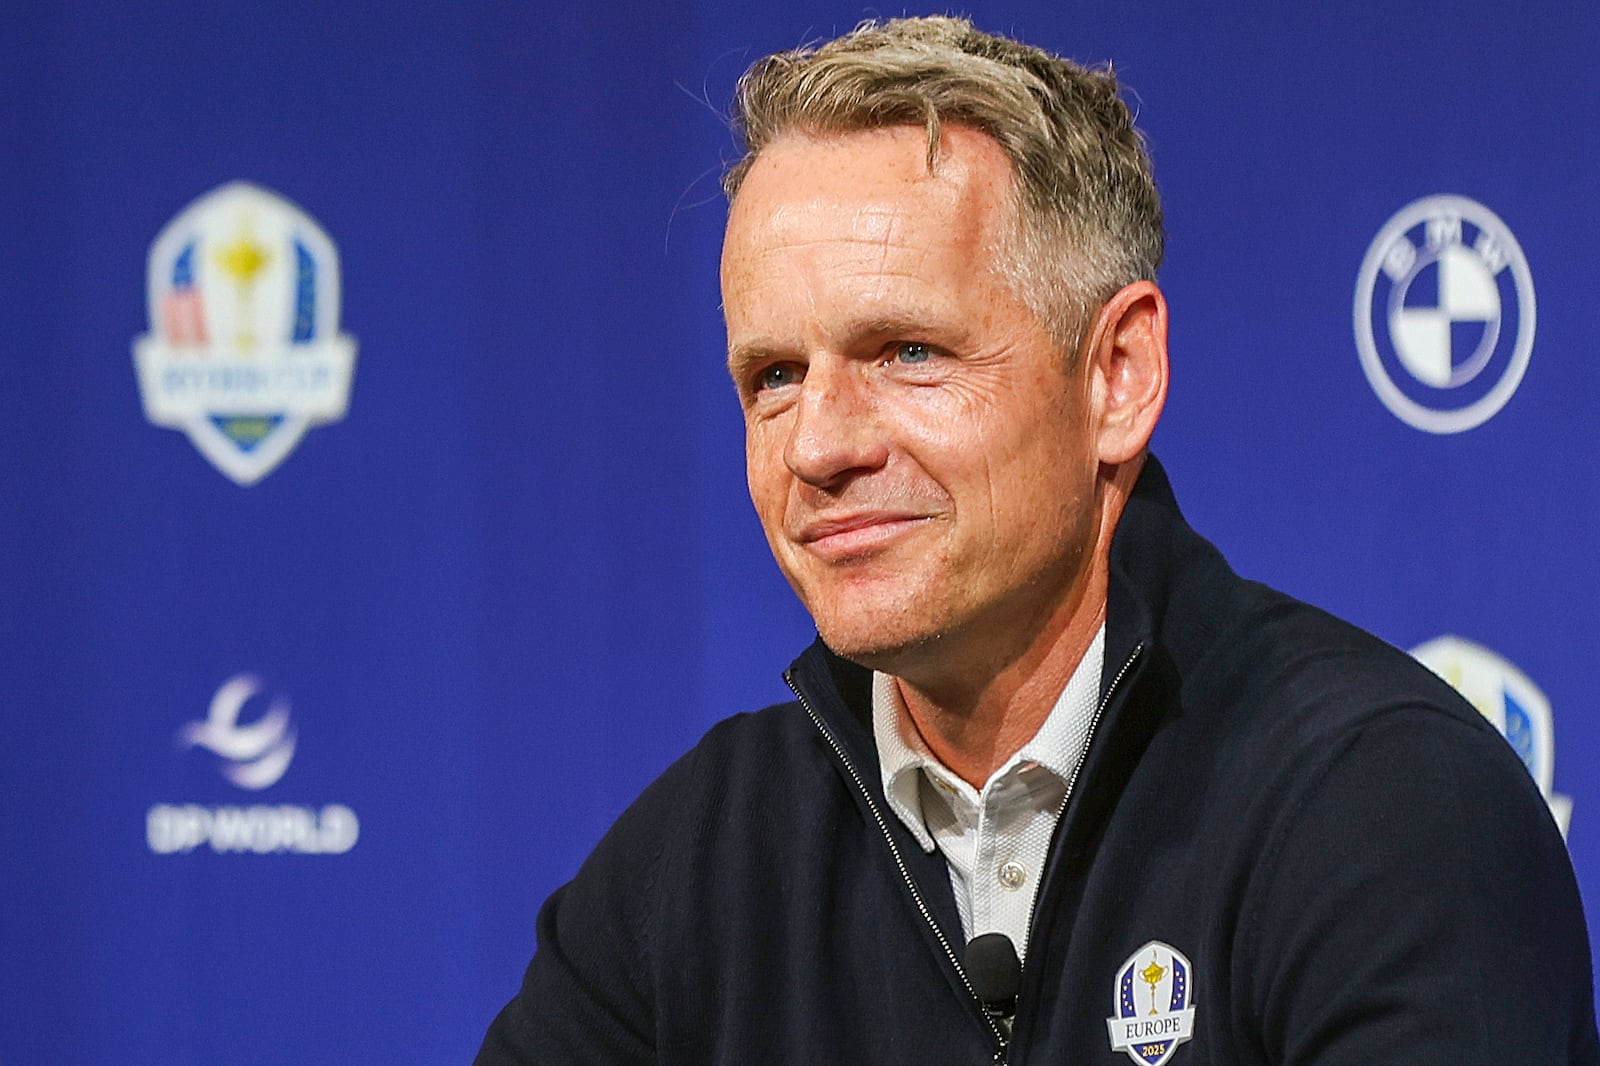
924,453
1043,716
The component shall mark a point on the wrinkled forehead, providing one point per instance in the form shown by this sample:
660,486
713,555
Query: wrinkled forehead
872,187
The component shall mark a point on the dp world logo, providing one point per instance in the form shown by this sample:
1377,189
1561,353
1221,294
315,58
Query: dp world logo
1444,314
254,756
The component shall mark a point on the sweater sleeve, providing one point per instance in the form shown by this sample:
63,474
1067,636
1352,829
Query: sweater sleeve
587,997
1417,905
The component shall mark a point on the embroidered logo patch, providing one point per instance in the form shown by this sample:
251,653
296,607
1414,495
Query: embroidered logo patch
1152,1004
244,352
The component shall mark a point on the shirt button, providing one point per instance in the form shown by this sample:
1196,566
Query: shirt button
1012,875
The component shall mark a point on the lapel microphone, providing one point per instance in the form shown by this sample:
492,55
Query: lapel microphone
995,973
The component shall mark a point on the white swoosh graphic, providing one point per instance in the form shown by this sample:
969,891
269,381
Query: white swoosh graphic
260,752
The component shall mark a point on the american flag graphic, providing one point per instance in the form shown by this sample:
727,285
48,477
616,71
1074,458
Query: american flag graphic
183,318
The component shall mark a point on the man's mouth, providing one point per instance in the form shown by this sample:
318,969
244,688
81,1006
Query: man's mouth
840,537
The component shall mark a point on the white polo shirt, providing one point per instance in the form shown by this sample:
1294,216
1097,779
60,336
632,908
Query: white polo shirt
994,839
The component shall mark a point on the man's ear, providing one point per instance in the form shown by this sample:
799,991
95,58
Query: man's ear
1127,353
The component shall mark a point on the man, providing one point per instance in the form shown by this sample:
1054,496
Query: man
1217,825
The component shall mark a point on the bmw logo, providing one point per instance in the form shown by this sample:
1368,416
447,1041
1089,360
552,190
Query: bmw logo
1444,314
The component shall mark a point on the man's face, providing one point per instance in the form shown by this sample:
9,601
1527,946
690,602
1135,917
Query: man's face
918,447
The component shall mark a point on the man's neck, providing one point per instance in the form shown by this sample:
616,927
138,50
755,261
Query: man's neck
974,729
976,707
975,719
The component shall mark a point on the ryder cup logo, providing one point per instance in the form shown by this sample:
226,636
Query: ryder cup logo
1152,1004
1510,701
1444,314
244,352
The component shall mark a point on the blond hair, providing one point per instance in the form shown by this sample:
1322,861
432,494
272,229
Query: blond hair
1089,218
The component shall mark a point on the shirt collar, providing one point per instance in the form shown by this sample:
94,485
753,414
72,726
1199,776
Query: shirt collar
1057,746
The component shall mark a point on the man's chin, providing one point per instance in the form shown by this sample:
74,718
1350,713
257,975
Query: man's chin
887,653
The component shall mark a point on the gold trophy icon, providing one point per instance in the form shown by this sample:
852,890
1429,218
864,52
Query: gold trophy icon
1152,975
243,259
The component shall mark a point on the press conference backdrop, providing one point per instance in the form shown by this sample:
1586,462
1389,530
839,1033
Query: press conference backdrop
372,522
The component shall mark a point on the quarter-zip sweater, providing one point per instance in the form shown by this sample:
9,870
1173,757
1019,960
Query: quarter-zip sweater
1354,862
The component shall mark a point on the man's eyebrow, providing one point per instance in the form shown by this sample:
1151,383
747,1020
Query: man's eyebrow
906,326
909,326
895,325
742,357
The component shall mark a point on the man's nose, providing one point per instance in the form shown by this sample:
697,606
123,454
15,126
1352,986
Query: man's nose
836,430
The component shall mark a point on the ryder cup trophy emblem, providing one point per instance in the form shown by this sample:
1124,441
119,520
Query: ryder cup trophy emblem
1152,1004
244,352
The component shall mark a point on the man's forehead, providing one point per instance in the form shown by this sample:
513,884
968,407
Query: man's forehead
866,186
819,218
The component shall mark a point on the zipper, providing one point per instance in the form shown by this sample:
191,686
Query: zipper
900,863
1061,811
1000,1041
1088,739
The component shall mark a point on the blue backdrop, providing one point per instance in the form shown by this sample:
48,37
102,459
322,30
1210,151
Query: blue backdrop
289,765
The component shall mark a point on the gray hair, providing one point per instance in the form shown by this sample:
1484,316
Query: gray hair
1090,217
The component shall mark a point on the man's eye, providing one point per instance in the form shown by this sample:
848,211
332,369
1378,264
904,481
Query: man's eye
911,352
777,376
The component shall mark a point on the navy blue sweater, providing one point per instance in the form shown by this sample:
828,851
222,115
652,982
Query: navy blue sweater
1355,864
